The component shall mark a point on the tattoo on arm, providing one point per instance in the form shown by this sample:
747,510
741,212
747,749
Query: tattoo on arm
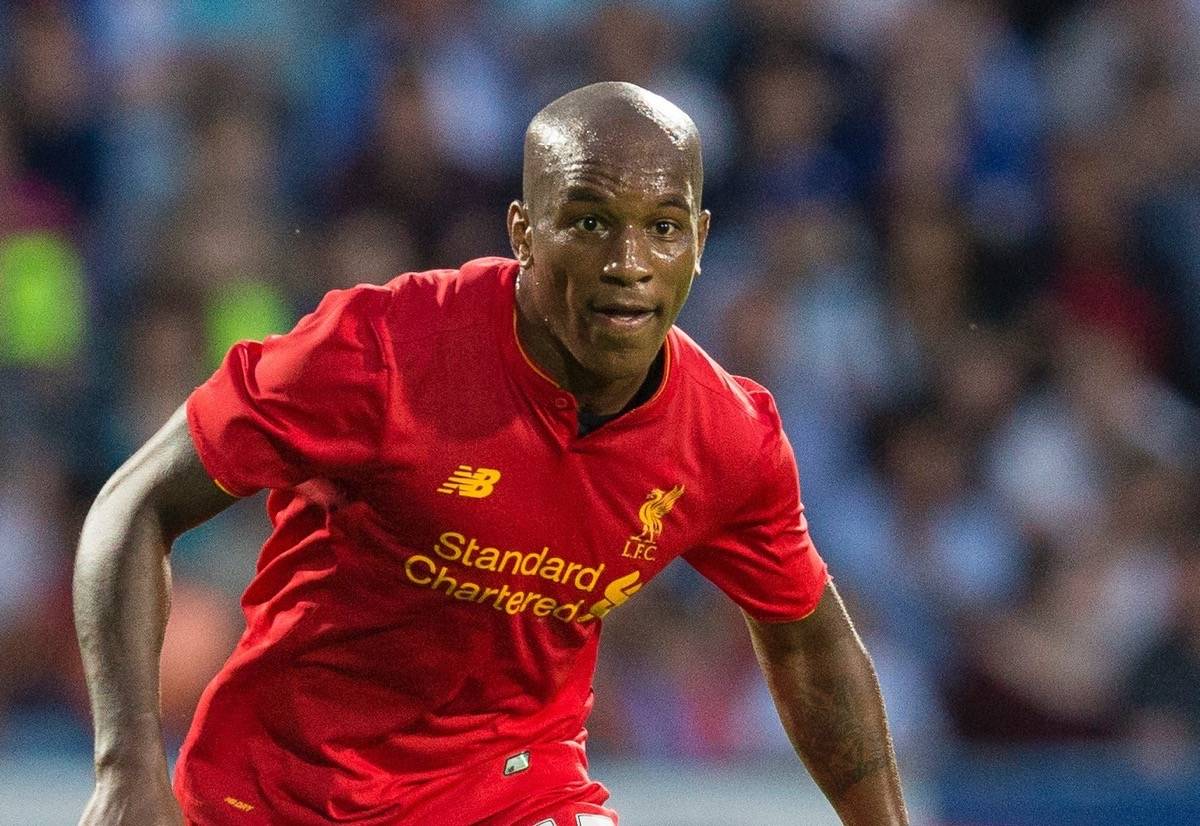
829,702
837,735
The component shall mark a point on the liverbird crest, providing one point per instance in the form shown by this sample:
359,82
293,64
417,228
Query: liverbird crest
657,505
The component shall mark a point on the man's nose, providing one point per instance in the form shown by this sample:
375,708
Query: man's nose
628,262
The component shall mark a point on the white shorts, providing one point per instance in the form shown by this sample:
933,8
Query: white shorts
579,819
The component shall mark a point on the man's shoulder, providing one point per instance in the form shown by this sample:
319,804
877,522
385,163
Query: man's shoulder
433,301
730,400
478,274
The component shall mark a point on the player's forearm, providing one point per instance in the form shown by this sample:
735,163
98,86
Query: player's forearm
829,702
121,598
835,718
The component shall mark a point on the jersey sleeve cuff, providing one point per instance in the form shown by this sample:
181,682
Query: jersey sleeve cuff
208,457
805,611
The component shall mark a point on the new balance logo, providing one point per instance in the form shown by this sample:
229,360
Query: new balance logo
473,482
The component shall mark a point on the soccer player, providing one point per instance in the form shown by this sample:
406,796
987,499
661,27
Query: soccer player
469,469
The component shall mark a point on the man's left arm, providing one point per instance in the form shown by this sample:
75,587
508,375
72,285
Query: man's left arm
829,702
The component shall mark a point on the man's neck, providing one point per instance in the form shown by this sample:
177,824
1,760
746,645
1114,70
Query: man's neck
601,396
606,399
589,421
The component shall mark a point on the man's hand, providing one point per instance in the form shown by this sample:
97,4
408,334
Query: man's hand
828,699
132,798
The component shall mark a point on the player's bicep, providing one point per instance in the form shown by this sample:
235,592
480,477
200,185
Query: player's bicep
166,477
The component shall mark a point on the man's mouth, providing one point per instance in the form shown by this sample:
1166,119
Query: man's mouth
624,315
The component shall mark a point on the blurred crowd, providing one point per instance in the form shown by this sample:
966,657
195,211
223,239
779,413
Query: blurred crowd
960,241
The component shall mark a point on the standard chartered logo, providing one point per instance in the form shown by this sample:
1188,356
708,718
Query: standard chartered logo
448,569
616,592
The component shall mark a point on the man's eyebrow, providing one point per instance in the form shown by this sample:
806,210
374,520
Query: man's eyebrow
677,201
587,194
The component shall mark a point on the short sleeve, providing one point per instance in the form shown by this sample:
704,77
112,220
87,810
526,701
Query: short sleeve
763,557
310,403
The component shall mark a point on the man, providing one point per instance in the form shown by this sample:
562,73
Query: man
468,470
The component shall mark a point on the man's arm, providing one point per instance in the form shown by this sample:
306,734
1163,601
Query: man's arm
828,699
122,598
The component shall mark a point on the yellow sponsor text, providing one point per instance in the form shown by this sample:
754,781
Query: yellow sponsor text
427,572
455,547
447,568
240,805
616,592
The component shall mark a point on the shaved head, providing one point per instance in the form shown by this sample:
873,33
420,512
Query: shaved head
600,118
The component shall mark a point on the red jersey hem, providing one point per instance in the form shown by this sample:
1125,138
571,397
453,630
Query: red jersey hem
809,610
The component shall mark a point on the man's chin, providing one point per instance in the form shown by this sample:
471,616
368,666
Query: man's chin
620,361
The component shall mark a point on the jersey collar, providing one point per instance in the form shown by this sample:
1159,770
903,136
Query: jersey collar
551,399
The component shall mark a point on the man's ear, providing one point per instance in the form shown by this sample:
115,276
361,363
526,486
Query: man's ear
520,233
701,237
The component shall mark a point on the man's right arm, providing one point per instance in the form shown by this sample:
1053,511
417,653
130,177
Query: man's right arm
121,599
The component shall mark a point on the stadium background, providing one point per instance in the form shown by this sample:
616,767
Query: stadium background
959,240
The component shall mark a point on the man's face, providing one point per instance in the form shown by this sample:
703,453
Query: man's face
609,241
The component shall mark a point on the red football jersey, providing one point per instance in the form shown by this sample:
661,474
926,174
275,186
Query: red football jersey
421,629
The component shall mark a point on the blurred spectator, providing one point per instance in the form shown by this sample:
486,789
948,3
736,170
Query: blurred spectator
791,106
56,110
369,245
930,258
35,542
1053,669
161,348
44,314
40,267
402,172
1162,686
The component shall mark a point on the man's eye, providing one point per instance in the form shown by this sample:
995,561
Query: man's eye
665,227
588,223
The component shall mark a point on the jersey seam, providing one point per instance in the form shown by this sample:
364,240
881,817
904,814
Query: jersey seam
387,353
394,291
723,394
